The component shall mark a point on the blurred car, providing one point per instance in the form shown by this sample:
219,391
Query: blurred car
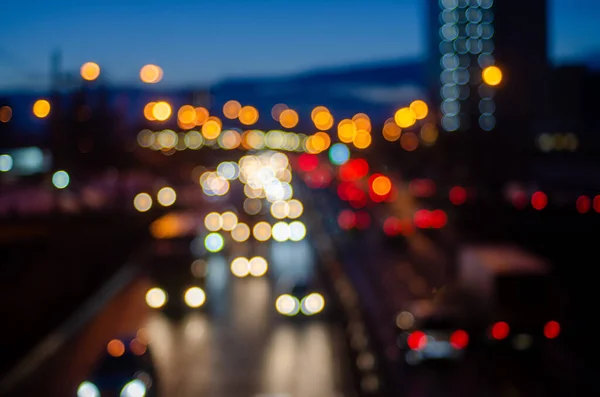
297,297
181,277
125,371
430,333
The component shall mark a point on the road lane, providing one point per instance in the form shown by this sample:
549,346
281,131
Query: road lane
237,345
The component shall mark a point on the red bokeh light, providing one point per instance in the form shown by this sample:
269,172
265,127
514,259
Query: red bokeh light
500,330
437,219
583,204
417,340
457,195
363,220
597,203
539,200
459,339
551,329
392,226
346,219
354,170
422,219
308,162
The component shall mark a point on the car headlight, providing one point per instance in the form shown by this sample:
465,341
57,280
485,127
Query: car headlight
87,389
313,304
135,388
287,305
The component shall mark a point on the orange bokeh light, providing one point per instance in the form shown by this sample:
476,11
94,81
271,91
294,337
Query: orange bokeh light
115,348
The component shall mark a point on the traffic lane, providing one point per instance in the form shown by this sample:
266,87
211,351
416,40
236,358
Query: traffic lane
479,373
60,375
240,346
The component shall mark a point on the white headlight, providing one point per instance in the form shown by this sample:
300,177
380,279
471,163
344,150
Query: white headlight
287,305
313,304
87,389
135,388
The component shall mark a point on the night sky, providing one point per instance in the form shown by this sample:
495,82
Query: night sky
203,41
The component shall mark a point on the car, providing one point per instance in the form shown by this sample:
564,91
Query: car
126,370
428,332
298,298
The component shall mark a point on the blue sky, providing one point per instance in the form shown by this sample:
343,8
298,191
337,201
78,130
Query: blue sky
203,41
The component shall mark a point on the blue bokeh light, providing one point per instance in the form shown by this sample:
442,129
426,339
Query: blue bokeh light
339,154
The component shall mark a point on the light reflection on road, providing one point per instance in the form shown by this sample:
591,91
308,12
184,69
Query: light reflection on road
239,345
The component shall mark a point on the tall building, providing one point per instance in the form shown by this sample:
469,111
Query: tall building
466,36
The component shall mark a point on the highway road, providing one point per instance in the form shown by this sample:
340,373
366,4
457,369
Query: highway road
238,345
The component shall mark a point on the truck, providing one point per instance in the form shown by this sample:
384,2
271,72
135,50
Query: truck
511,291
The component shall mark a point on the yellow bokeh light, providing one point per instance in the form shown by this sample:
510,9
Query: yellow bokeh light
346,131
240,267
381,185
230,221
90,71
317,110
492,75
326,139
315,144
142,202
211,129
156,298
362,139
323,120
420,109
151,74
277,109
288,118
405,118
362,122
391,131
148,111
41,108
213,222
187,115
262,231
248,115
202,115
241,232
231,109
166,196
161,111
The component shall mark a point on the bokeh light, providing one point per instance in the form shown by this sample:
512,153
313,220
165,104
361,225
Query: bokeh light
166,196
41,108
213,222
258,266
248,115
405,117
288,118
90,71
194,297
241,232
214,242
60,179
161,111
492,75
142,202
156,298
262,231
240,267
420,109
151,74
231,109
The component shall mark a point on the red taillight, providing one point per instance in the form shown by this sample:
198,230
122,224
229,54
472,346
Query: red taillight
459,339
417,340
551,329
500,330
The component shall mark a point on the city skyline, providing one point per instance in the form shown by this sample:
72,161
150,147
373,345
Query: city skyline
281,39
